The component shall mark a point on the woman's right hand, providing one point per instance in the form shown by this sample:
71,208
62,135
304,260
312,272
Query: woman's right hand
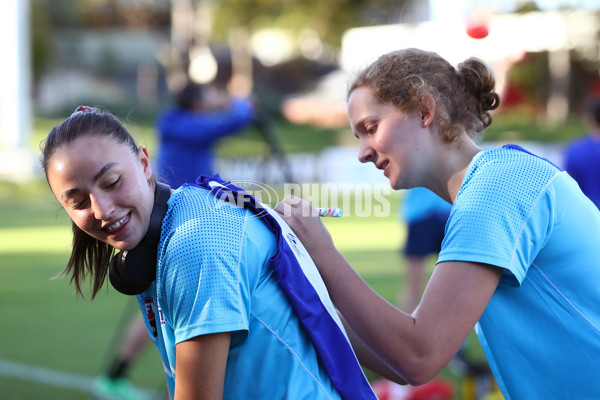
304,220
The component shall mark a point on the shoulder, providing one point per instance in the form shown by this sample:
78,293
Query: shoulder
579,150
581,141
504,180
258,237
198,201
196,215
503,166
199,233
503,211
575,145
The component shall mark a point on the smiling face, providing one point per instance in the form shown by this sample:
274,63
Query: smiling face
398,143
105,189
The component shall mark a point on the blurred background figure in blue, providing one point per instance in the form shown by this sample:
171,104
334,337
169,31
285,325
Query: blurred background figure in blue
189,130
582,157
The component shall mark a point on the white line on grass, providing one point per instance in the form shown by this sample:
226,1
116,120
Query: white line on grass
47,376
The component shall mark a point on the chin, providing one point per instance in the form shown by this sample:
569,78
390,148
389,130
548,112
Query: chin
396,185
123,246
128,246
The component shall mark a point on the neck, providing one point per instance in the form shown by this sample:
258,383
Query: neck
453,167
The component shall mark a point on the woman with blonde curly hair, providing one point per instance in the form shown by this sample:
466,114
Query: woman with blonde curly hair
520,260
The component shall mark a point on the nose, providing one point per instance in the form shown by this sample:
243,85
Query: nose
365,152
102,206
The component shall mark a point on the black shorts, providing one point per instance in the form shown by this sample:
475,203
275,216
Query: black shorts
425,236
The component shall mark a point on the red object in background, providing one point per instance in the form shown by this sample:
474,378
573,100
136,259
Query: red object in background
436,389
477,28
513,95
594,88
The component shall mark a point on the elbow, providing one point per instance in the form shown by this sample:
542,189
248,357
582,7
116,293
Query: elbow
418,378
419,369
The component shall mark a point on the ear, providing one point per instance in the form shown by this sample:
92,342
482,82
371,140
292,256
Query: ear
145,160
427,110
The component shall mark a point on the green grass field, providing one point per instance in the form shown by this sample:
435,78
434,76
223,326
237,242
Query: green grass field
44,325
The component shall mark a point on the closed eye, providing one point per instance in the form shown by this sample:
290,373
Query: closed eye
365,126
114,184
80,205
371,129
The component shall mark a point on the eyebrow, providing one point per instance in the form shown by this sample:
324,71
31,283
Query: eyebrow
359,126
70,192
103,170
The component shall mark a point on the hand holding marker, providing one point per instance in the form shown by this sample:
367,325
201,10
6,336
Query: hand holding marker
322,212
329,212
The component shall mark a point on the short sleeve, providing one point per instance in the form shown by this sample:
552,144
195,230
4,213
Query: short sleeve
502,216
199,272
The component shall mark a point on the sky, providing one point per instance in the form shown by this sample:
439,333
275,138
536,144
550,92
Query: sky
445,8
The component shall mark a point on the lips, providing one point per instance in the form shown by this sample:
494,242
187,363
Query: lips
116,226
383,166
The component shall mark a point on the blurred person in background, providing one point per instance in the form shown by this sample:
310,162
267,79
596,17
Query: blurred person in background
189,130
582,156
114,383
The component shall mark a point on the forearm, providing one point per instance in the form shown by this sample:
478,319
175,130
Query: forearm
390,333
368,358
418,346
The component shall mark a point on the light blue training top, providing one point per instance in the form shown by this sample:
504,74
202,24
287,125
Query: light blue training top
213,275
541,329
